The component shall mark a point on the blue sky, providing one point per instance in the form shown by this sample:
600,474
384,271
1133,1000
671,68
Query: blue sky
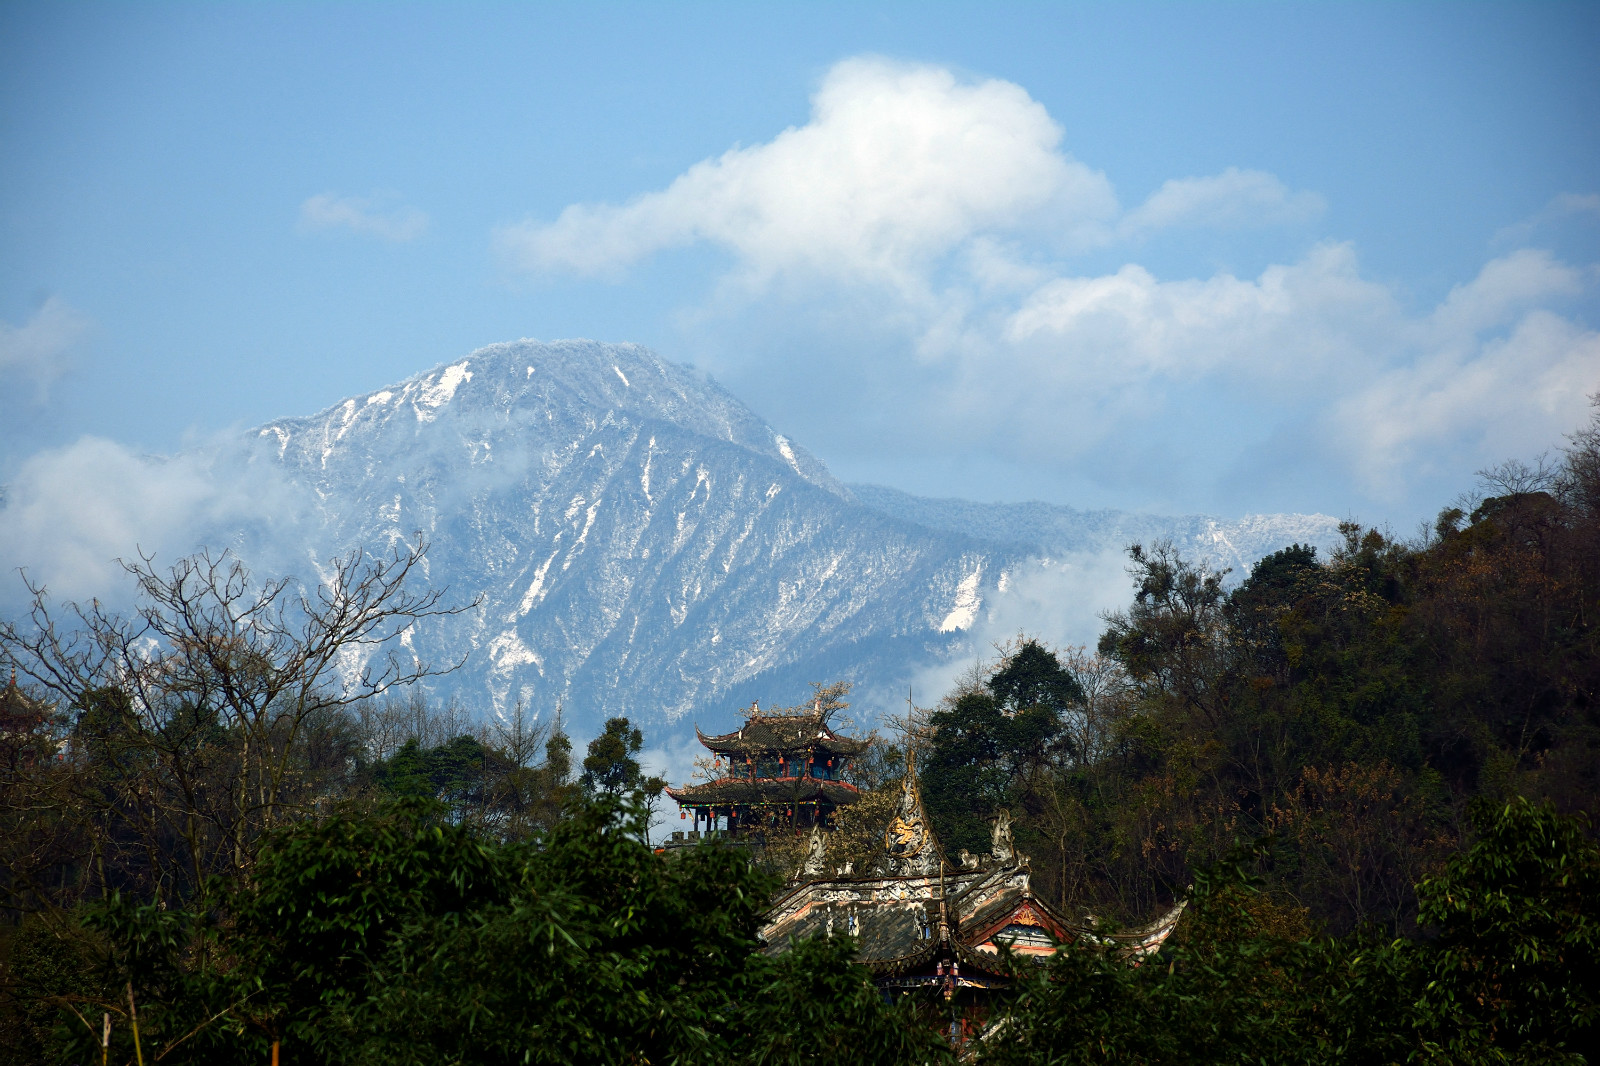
1224,257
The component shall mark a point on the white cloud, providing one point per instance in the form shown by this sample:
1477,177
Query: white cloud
1131,325
376,216
1489,369
941,217
69,513
1562,208
1492,397
1234,198
898,166
40,347
1505,286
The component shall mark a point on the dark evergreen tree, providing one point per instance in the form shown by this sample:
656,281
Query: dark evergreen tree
988,744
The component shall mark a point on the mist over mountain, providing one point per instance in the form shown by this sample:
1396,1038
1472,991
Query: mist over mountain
1048,530
639,542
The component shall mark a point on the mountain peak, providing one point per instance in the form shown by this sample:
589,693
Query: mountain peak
543,383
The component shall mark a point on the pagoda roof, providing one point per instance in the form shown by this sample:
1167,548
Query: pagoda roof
782,732
898,920
19,713
735,791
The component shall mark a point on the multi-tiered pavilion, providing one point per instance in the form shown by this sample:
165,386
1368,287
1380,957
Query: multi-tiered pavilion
780,769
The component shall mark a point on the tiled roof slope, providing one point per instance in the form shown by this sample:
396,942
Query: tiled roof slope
913,907
764,733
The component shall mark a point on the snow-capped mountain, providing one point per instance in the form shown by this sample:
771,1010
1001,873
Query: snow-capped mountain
641,543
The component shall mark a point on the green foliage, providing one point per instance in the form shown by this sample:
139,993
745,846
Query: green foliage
986,743
1351,705
610,765
46,967
401,937
1510,976
458,773
1516,968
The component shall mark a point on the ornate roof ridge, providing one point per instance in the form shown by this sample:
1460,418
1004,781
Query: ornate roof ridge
813,732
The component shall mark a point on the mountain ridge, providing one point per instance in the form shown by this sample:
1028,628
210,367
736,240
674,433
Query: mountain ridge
642,543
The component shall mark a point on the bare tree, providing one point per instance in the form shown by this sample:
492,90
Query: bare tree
1096,723
198,714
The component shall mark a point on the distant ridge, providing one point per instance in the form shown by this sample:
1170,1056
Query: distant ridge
1052,529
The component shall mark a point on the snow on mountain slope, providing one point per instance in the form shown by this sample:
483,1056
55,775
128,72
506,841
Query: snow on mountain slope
640,543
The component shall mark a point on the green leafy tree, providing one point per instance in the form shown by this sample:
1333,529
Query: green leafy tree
397,937
1515,969
610,765
1511,973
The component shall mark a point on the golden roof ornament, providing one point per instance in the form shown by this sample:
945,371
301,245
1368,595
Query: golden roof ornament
909,848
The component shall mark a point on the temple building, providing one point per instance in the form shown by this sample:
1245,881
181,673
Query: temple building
21,742
780,769
921,921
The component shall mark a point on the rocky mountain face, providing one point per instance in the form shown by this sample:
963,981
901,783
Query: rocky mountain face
641,543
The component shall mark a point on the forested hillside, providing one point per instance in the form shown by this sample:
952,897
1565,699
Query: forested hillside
230,830
1347,708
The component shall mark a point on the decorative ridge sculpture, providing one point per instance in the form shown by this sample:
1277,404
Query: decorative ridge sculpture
909,846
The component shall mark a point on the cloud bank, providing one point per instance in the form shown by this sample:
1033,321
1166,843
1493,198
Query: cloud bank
70,513
899,166
939,220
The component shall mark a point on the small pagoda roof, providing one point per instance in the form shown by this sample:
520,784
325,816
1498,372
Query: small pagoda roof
763,733
737,791
19,713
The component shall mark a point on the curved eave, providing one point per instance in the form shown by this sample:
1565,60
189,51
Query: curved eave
900,964
1146,938
992,964
734,790
733,744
